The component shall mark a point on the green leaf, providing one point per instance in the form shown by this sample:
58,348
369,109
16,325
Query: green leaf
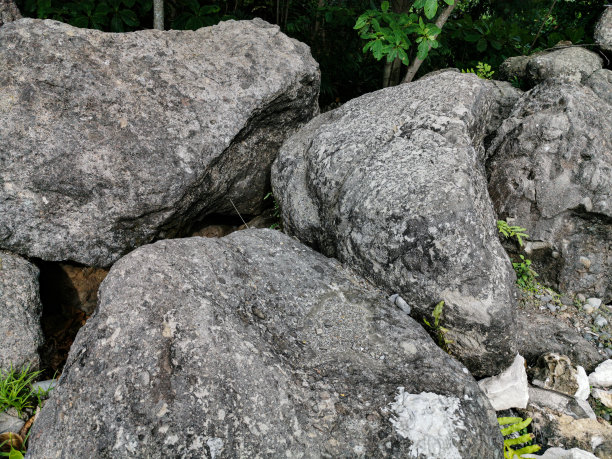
418,4
450,2
129,17
528,450
481,45
472,37
14,454
516,427
129,3
384,6
423,50
430,8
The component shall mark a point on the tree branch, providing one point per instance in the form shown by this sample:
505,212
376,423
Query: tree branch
416,63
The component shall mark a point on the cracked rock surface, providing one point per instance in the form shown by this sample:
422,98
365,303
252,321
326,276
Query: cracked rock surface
255,345
109,141
551,170
393,184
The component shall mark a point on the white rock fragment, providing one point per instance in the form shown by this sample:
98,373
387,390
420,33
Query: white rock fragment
559,453
595,302
509,389
429,421
584,389
604,396
602,376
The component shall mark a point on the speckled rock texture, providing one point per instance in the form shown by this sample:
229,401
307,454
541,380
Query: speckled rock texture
8,12
551,170
393,184
568,63
601,84
20,310
603,30
109,141
254,345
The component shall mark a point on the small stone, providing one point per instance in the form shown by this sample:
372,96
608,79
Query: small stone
602,376
603,396
319,331
400,303
584,389
585,262
551,307
595,302
600,321
10,423
608,352
588,309
44,385
546,298
508,389
563,308
580,297
567,301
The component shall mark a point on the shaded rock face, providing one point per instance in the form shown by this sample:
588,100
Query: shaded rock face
392,184
254,344
8,12
538,334
563,63
20,310
603,30
601,84
551,170
108,141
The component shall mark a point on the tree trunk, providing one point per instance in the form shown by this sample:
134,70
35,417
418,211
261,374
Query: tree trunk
416,63
8,11
158,14
392,73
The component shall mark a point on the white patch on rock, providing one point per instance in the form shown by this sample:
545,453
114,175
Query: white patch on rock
602,376
215,445
584,390
508,389
429,421
559,453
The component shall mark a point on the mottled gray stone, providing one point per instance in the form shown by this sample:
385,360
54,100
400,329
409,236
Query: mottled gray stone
538,334
392,184
603,30
571,64
551,170
254,345
10,423
560,403
109,141
8,12
20,310
601,84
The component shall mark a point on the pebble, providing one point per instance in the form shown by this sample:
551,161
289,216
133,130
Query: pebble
600,321
588,337
552,307
588,309
10,423
585,262
546,298
608,352
595,302
580,297
44,385
567,301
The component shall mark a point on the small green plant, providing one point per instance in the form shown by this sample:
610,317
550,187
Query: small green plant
512,425
509,231
276,213
15,389
438,329
483,70
16,443
525,275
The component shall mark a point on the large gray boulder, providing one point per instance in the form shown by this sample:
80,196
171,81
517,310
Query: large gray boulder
109,141
551,170
20,310
569,63
603,30
8,12
393,184
254,345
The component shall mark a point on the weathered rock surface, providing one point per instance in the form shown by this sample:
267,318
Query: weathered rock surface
254,345
391,184
601,84
603,30
556,372
109,141
10,423
538,334
572,63
560,453
560,403
20,310
8,12
551,170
